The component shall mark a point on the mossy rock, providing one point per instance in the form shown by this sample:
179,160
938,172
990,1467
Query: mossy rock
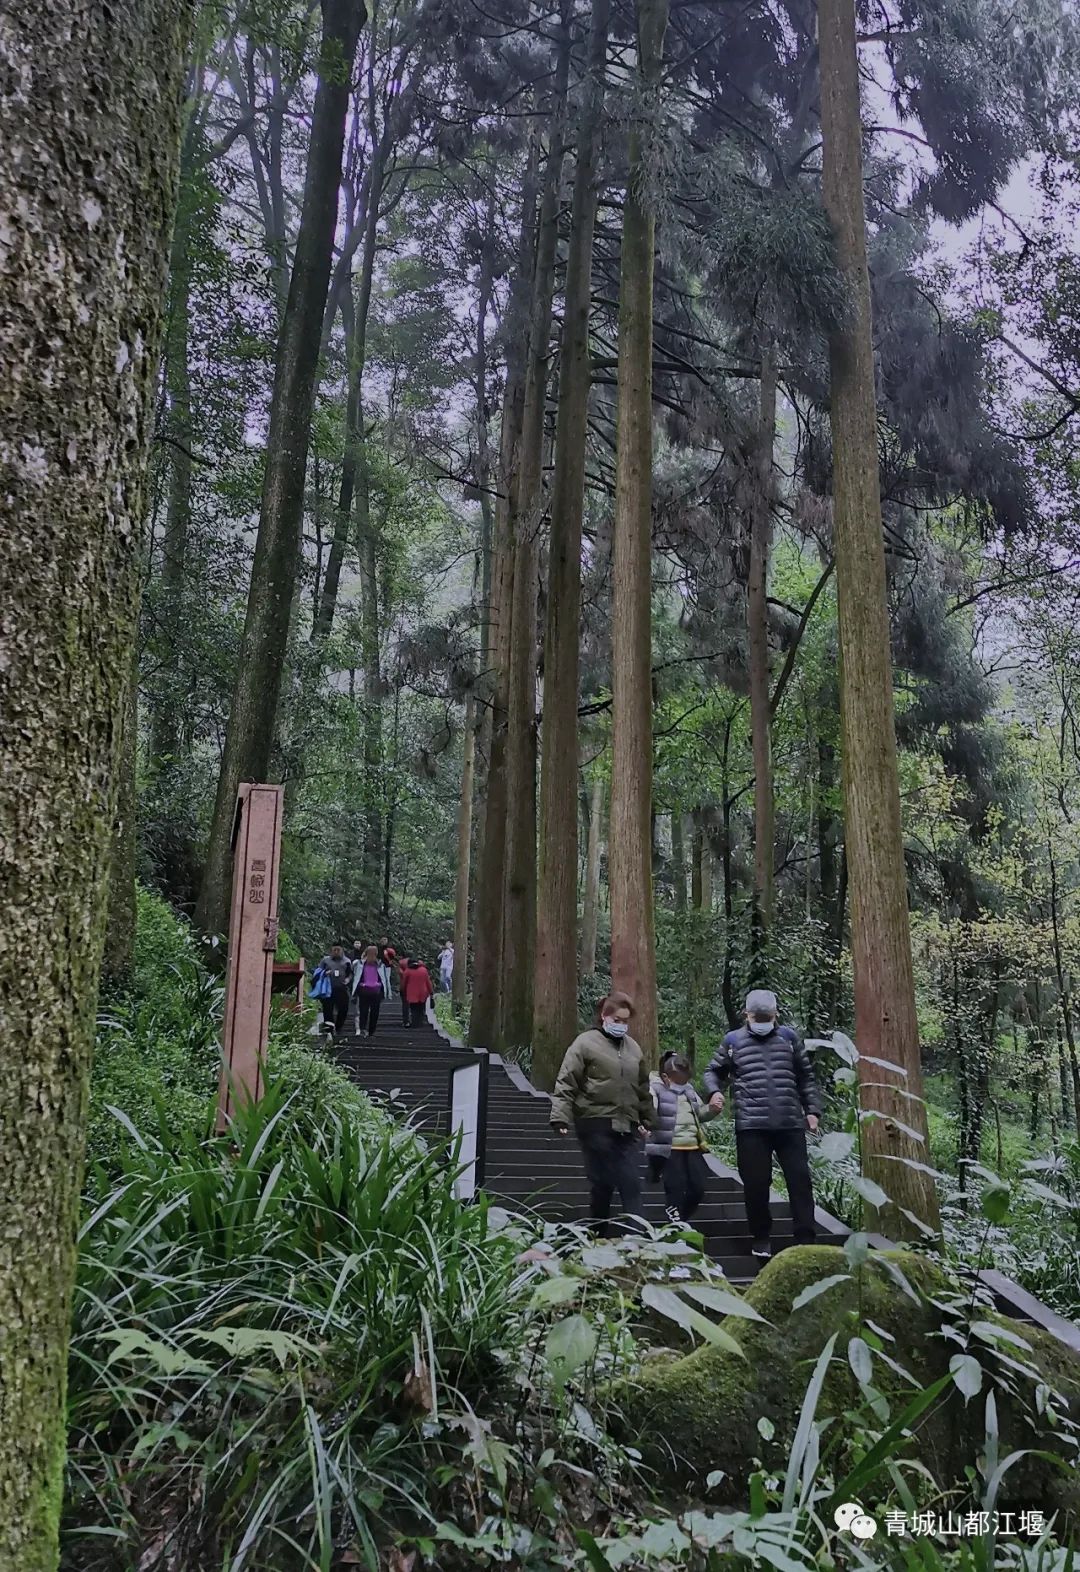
700,1413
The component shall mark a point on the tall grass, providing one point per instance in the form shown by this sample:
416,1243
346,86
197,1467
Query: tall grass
269,1330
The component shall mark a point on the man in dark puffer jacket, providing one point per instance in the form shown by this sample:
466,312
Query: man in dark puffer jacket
776,1102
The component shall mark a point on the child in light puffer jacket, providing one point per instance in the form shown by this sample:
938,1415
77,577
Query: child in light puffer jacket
677,1146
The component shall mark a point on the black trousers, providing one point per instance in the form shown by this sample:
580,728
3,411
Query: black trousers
406,1014
755,1149
685,1176
612,1162
335,1010
417,1015
368,1004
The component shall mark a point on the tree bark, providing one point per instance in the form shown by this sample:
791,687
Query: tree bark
633,941
90,99
485,1016
886,1026
590,910
464,858
253,717
555,1010
757,618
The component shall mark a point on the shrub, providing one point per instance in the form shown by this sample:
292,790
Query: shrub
269,1330
158,1057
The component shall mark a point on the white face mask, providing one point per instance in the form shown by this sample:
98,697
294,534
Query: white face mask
616,1028
762,1028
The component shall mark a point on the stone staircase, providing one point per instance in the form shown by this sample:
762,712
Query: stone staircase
526,1167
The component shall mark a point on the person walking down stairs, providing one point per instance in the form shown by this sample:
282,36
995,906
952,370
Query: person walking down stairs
603,1091
403,971
776,1101
676,1148
416,990
338,968
369,992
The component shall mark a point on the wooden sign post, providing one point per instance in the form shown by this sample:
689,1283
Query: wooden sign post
253,933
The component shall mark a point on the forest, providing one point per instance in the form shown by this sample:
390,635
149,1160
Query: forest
612,464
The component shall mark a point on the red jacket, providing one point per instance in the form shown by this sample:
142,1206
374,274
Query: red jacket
416,984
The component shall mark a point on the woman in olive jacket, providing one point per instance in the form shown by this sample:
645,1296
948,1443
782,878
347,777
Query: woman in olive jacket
603,1090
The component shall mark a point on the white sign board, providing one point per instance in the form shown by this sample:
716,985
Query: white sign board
465,1091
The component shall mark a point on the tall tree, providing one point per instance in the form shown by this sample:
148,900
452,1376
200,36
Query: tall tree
520,912
886,1027
555,998
464,856
167,738
89,127
757,617
590,905
485,1016
253,716
633,932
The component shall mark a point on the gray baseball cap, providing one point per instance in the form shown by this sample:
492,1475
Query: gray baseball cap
761,1002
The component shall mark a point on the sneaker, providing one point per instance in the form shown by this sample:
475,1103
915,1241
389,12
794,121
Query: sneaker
762,1252
672,1215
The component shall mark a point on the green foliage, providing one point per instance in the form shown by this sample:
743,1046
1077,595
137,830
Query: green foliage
158,1056
273,1335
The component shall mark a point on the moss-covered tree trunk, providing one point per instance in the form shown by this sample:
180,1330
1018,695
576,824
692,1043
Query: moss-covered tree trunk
253,716
485,1016
90,98
633,931
757,627
555,1003
886,1027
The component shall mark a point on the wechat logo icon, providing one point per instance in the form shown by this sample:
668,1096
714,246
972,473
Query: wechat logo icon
851,1519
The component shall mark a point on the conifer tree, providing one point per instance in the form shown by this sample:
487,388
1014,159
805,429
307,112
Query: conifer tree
633,941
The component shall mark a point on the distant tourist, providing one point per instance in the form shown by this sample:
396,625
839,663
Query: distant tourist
603,1091
776,1101
677,1146
338,969
403,971
387,958
417,991
369,992
446,967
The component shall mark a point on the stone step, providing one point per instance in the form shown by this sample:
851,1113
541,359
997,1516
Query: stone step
527,1168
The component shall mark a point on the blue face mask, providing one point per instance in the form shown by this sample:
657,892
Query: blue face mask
762,1028
616,1028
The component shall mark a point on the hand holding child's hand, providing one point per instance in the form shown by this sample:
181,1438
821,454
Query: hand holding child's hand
716,1101
812,1122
